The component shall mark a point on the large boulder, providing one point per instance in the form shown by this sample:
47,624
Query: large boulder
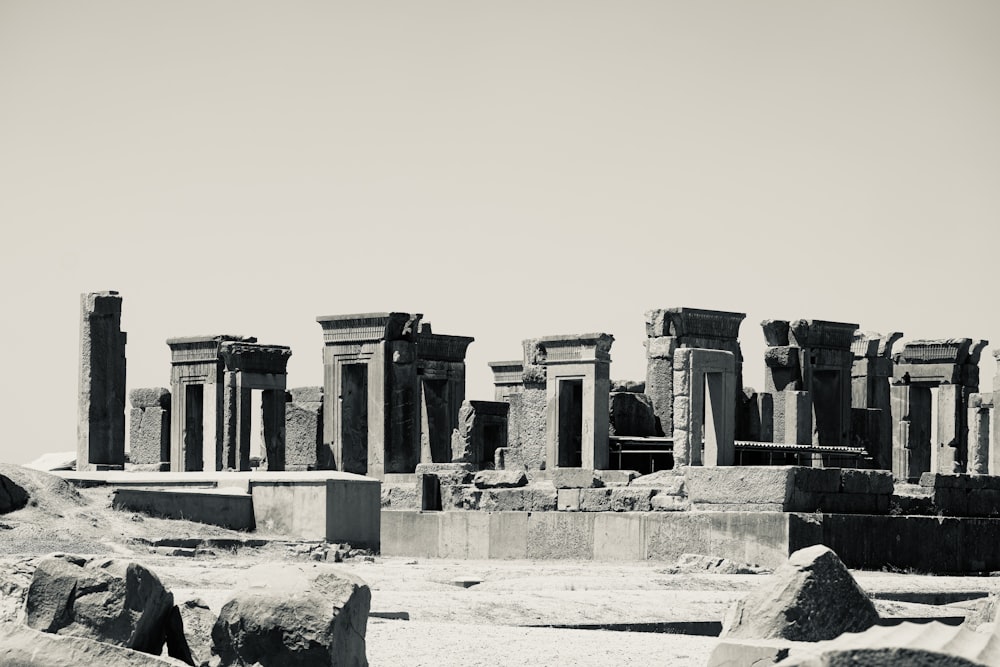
108,600
812,597
295,621
12,496
21,646
189,633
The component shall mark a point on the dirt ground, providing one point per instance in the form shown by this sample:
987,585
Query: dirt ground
450,612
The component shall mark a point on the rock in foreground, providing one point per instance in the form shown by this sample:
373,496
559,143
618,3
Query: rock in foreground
812,597
320,626
21,646
108,600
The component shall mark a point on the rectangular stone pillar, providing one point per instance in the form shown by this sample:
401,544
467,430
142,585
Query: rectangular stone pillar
911,441
101,415
304,448
980,456
660,379
698,372
149,428
950,445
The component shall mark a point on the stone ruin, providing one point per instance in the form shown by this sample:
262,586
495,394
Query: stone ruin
101,422
394,397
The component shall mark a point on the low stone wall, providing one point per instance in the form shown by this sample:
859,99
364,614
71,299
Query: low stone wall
724,488
963,495
765,538
229,509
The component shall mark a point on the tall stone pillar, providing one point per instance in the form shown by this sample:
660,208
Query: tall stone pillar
101,419
870,375
980,456
441,369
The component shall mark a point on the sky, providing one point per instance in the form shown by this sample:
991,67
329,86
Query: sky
509,169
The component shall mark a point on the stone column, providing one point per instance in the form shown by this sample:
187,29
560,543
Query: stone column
660,379
304,448
980,456
272,406
101,417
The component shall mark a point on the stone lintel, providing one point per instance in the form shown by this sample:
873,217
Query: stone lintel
254,357
940,351
683,321
368,327
442,347
873,345
821,333
575,348
201,349
926,374
498,408
506,372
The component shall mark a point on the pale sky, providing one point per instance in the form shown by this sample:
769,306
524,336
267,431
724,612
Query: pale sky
509,169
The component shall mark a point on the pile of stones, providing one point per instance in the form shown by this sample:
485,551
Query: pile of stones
117,613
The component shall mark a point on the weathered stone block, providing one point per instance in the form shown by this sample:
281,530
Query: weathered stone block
108,600
400,497
812,597
150,397
781,357
149,435
630,386
448,473
573,478
631,499
460,497
12,495
664,481
595,500
662,347
306,394
303,436
775,332
493,479
866,481
662,502
615,477
568,500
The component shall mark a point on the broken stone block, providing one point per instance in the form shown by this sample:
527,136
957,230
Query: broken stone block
109,600
24,646
460,497
631,414
631,499
775,332
628,386
533,498
595,500
615,477
665,481
306,394
493,479
812,597
448,473
150,397
573,478
663,502
278,627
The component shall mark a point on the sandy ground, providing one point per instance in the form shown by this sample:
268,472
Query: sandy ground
451,612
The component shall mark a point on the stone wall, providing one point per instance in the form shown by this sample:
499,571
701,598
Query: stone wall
149,427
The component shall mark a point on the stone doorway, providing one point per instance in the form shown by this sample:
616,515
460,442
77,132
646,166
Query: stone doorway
354,417
570,423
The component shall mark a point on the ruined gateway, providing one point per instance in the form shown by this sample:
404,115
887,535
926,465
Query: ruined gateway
849,443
